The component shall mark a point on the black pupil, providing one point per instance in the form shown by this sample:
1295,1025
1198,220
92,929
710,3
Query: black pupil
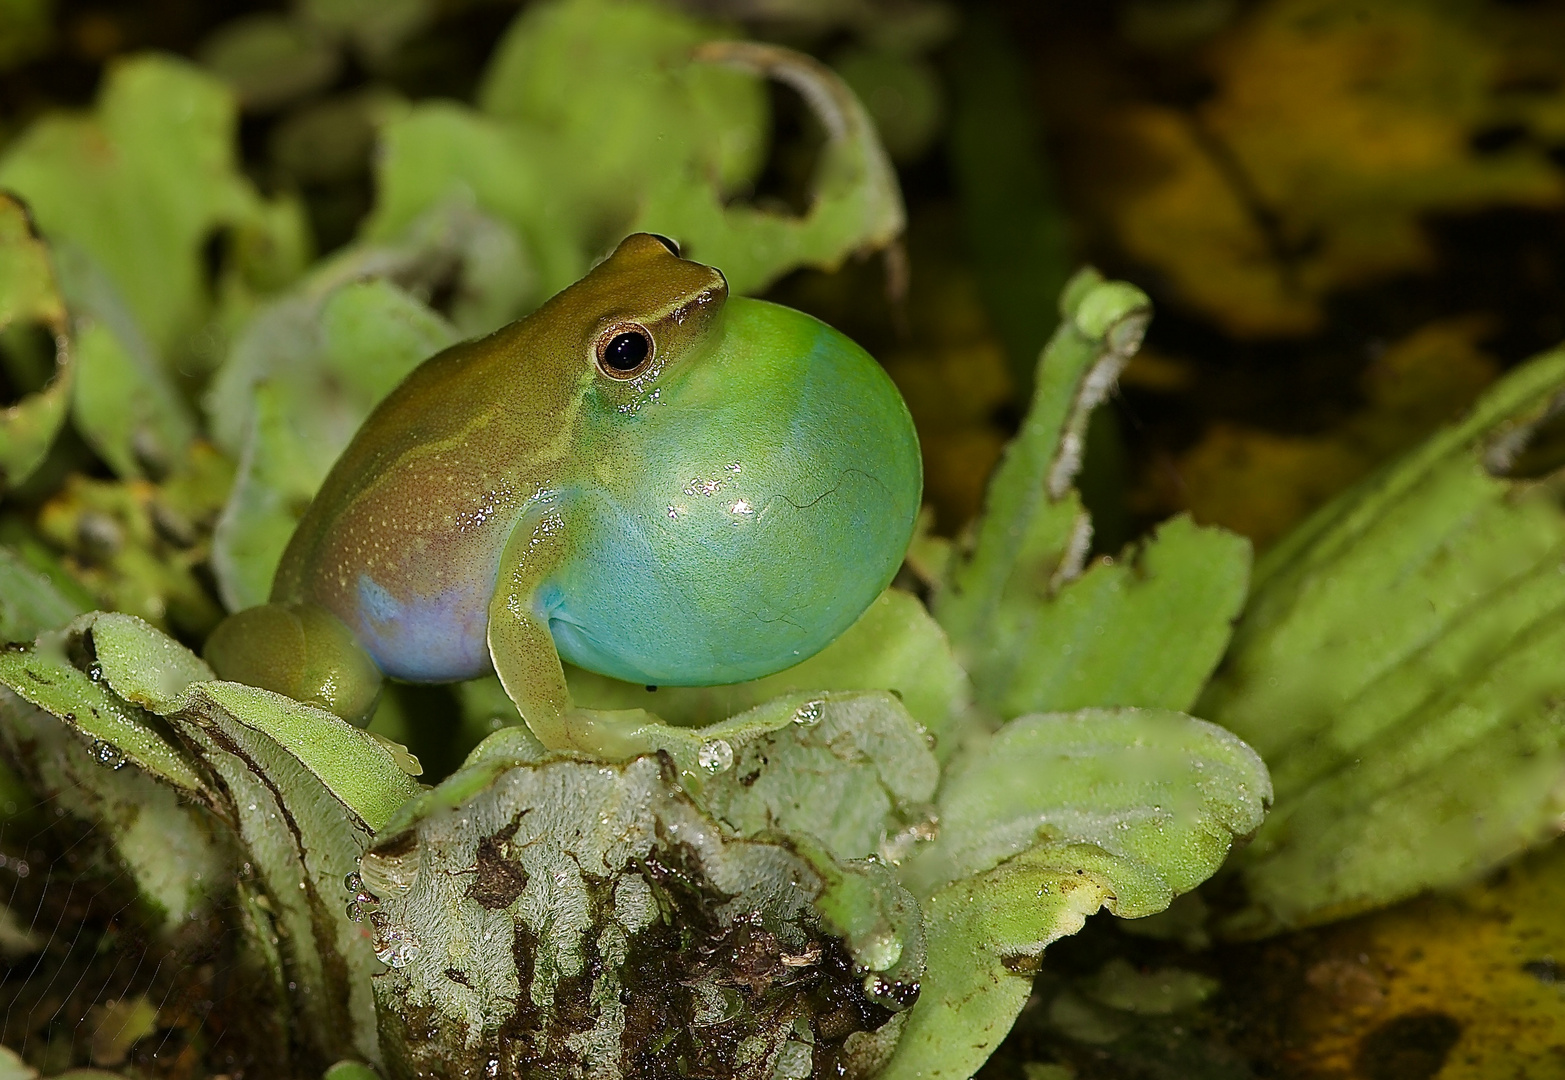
626,351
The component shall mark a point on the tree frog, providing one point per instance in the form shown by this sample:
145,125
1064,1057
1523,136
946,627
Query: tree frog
646,477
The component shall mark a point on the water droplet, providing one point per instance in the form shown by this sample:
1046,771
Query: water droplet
95,671
715,756
394,945
809,714
353,883
107,754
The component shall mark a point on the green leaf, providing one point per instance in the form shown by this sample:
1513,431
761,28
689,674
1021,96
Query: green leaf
1059,815
277,477
585,915
441,152
855,202
1397,667
302,841
849,768
30,602
140,184
29,296
117,731
377,27
270,60
613,81
1036,630
1015,226
894,646
1146,629
1157,789
126,405
350,1070
142,665
356,768
26,31
602,118
985,935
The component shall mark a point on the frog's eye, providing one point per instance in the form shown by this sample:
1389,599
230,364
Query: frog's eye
625,352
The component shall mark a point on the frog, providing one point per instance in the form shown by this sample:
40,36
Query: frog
646,478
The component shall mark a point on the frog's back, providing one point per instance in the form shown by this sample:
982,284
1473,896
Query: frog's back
403,540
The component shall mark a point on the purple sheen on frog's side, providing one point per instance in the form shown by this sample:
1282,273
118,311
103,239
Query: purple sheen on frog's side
440,638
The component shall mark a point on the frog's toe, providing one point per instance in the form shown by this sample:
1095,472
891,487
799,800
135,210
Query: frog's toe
300,650
609,733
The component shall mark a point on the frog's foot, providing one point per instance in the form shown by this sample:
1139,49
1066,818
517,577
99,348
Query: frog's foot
612,734
615,734
300,650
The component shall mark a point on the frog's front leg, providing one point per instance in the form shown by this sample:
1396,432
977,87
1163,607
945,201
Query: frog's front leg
526,660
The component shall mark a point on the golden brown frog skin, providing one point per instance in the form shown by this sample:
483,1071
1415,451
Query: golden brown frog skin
663,484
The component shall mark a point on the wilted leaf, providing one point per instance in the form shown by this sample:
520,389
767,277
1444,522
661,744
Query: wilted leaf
1035,631
1478,966
849,768
571,915
303,842
1396,668
1059,815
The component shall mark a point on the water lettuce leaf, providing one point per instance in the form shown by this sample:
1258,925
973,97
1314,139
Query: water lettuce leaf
1396,668
29,298
564,915
140,185
1035,626
1058,815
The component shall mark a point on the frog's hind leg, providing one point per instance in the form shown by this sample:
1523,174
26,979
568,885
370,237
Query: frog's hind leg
301,650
